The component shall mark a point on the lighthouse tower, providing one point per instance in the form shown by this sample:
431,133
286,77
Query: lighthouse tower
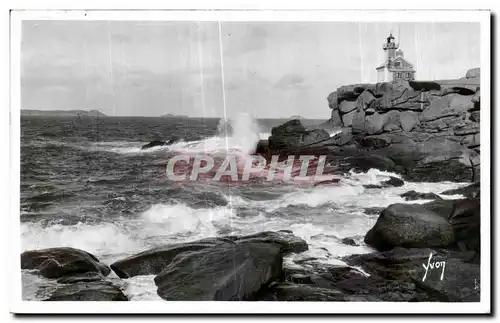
395,67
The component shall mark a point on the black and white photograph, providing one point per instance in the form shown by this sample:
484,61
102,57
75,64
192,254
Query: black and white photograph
270,159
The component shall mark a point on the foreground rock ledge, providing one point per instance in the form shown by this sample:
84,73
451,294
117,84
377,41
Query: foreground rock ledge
154,261
228,272
80,275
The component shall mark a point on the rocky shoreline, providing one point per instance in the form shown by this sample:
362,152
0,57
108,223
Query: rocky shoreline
406,238
426,131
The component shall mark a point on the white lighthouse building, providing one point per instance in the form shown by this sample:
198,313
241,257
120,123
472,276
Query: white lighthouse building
395,67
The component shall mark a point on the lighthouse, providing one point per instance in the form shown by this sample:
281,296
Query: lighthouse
395,66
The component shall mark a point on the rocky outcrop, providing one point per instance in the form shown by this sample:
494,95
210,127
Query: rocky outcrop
58,262
427,131
411,122
80,276
292,136
451,224
403,269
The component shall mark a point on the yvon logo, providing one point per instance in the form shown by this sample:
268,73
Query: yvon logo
432,265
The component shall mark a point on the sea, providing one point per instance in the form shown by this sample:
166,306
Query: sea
86,183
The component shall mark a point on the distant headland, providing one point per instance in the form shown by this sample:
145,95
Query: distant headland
170,115
63,113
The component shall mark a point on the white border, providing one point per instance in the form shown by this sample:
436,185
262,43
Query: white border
19,306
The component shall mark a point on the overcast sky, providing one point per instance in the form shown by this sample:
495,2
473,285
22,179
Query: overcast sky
270,69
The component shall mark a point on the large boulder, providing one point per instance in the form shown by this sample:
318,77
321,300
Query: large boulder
285,240
292,135
154,261
409,226
228,272
58,262
262,147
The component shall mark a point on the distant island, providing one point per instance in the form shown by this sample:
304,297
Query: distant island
170,115
63,113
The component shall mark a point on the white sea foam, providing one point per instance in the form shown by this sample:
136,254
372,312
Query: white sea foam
100,239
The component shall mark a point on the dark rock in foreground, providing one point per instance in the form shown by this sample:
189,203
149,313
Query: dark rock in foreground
58,262
227,272
426,131
402,267
410,226
88,291
154,261
80,278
